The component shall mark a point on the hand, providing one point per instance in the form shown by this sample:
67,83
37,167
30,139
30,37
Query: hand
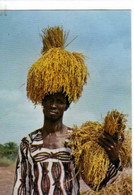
111,146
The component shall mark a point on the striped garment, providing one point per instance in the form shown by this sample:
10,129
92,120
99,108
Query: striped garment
43,171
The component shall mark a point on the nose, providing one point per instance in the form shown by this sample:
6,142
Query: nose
53,104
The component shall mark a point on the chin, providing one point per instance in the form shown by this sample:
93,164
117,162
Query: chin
52,117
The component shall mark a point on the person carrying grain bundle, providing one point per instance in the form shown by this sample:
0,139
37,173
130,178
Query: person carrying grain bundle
45,165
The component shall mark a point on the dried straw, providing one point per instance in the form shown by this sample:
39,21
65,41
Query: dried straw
126,150
90,158
57,69
114,123
53,37
121,186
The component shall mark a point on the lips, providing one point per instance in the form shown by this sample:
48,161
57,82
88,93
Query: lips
53,112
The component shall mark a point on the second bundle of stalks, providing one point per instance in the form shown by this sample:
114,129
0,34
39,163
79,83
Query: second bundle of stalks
90,158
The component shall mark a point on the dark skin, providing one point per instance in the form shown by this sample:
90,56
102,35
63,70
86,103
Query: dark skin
54,132
111,146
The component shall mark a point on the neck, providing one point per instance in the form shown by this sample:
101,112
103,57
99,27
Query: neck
51,126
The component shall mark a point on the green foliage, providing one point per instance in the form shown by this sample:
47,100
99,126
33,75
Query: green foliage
9,150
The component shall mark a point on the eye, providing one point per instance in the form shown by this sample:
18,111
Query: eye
61,101
50,101
47,100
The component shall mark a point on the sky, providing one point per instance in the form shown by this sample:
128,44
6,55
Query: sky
104,37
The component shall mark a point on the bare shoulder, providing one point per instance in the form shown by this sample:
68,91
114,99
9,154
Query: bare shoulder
67,130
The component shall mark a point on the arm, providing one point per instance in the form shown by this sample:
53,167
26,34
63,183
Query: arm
21,176
111,174
111,147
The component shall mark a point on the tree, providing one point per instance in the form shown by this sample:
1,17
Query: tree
9,150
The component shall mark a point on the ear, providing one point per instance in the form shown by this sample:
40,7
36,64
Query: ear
67,106
42,102
67,103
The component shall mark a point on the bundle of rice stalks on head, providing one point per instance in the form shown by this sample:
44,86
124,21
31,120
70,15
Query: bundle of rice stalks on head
90,158
57,70
122,186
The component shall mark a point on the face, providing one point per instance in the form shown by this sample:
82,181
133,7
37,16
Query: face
54,106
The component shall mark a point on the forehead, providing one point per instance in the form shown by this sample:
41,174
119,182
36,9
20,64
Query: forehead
55,96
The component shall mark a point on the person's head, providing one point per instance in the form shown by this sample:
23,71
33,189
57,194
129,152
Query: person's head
55,105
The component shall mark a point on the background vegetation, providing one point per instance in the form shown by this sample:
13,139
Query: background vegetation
8,153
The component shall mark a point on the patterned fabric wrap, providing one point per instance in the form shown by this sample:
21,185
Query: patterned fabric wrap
43,171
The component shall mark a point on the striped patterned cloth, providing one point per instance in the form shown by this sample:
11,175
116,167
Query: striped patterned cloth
43,171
